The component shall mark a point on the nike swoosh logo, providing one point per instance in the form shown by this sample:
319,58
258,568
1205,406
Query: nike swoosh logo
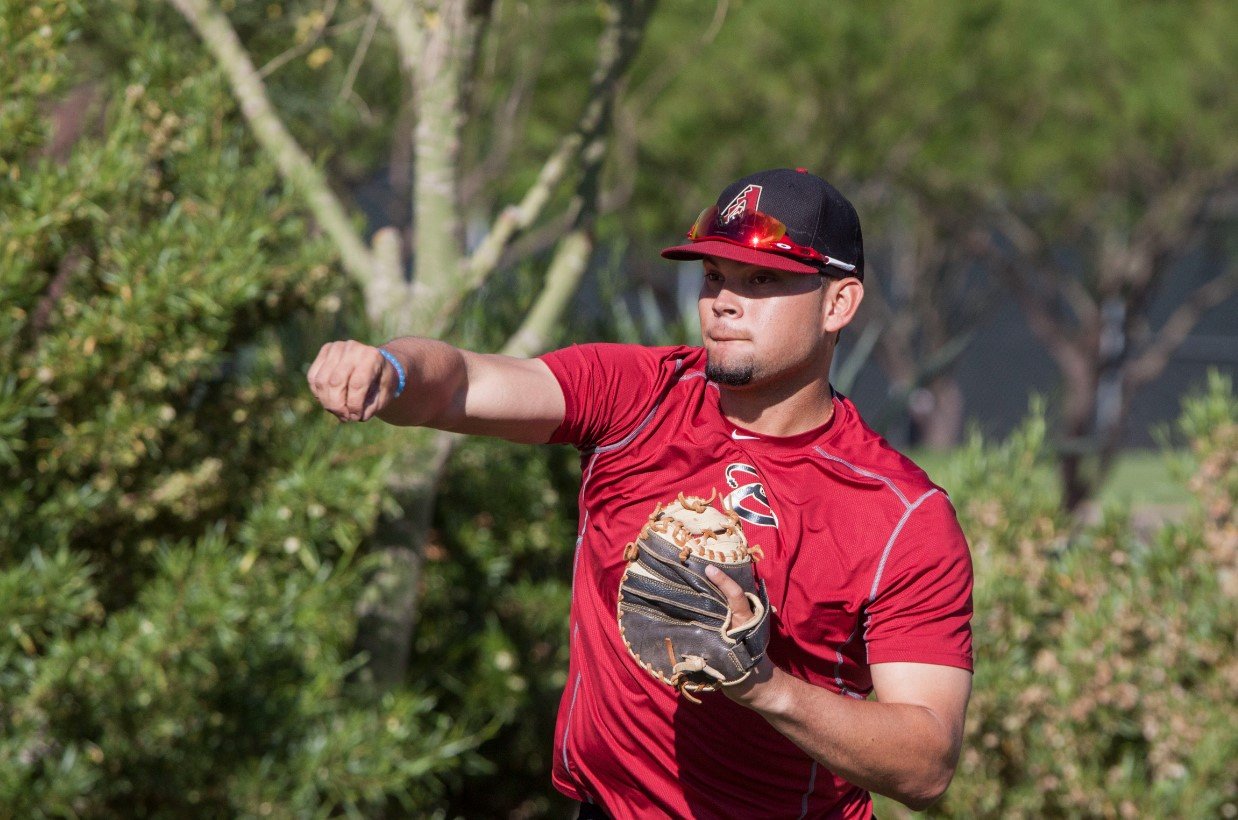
735,434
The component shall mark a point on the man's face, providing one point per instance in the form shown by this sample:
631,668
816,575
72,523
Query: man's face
758,324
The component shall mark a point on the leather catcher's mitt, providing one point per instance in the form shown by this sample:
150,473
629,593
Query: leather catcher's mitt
675,622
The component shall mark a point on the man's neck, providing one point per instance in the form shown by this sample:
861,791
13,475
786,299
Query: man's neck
782,410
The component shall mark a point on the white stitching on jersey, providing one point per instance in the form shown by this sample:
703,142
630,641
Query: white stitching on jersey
626,440
838,667
567,730
872,595
863,472
580,537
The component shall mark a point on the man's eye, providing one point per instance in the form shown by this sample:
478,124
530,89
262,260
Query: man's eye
712,277
762,279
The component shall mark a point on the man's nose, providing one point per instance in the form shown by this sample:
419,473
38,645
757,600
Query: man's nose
728,303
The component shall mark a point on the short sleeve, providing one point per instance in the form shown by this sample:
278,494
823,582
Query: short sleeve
922,607
608,389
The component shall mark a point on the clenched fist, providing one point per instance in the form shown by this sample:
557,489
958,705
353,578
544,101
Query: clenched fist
352,381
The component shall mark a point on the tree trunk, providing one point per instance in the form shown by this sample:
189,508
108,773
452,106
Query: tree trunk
387,611
937,414
1078,447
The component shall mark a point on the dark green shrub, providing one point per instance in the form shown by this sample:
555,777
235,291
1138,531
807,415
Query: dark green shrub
178,522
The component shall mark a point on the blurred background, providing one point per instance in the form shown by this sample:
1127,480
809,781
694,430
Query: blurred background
217,601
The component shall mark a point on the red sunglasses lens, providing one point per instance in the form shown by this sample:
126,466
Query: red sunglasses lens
754,229
700,228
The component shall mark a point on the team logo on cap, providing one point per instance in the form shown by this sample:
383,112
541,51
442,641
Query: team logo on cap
745,201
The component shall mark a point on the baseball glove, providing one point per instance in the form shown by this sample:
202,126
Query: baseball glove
674,621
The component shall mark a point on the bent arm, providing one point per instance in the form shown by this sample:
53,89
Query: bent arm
904,745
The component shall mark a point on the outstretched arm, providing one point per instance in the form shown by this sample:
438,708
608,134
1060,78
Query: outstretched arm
904,745
445,388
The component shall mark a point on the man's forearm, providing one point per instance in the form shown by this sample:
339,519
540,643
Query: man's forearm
436,377
900,750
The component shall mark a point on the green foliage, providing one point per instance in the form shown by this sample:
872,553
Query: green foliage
177,521
1105,652
220,690
493,630
33,67
143,282
1072,104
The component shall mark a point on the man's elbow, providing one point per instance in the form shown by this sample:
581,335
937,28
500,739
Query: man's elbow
928,788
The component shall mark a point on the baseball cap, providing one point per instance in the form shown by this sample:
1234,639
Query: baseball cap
784,219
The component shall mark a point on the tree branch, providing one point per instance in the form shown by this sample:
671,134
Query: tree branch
516,218
1152,360
570,260
1030,245
1038,312
572,254
616,48
358,57
293,163
280,60
434,45
505,127
401,18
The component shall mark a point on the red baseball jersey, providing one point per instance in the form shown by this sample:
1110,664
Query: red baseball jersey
864,563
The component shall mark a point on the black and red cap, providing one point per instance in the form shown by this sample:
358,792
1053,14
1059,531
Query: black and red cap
784,219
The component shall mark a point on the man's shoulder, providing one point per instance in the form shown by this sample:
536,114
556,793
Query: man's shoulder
861,450
609,389
621,351
626,360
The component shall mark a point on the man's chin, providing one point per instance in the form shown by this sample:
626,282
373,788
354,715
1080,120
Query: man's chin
730,375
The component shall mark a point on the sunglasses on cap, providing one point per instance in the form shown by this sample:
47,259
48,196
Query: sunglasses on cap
758,231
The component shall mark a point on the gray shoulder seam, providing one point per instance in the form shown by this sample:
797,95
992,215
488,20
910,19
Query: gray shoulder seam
869,474
898,528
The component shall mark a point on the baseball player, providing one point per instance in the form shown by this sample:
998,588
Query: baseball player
859,678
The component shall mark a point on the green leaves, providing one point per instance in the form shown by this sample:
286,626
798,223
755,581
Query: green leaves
221,688
33,68
177,521
1104,652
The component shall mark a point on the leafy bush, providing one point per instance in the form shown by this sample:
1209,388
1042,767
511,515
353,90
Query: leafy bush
178,522
1106,665
492,637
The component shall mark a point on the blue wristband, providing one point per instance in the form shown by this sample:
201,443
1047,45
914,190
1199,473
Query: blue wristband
399,370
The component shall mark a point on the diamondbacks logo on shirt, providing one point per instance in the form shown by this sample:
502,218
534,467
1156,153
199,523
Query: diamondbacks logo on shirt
745,201
747,497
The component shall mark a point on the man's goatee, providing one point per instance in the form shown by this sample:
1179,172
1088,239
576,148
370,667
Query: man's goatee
731,376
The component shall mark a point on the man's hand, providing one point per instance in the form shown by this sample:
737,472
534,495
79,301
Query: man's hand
741,610
741,613
352,381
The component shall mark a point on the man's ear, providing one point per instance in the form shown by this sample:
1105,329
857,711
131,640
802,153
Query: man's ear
842,300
